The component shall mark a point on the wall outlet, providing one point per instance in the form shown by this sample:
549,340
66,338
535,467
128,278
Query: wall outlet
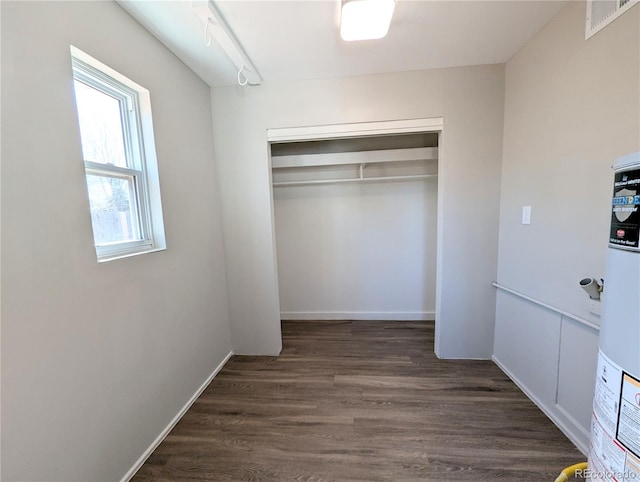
526,214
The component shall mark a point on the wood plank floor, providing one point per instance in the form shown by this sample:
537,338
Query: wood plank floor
361,401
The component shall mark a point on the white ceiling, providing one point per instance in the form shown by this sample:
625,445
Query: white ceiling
300,39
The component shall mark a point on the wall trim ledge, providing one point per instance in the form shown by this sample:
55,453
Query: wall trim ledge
577,318
145,455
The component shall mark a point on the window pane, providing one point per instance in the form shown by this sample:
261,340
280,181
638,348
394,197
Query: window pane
100,126
113,208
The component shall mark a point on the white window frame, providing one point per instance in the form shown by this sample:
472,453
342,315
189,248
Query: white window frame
140,153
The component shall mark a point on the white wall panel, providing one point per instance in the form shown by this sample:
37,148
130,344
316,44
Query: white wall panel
361,250
527,345
577,370
552,358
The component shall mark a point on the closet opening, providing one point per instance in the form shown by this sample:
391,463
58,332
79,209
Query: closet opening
356,223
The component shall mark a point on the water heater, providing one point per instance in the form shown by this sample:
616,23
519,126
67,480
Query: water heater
614,454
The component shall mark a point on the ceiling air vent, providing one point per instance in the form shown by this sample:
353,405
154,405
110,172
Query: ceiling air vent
601,13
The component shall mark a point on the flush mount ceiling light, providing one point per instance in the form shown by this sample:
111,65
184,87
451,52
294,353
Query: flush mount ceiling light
365,19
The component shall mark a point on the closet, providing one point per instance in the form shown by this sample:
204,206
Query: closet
355,226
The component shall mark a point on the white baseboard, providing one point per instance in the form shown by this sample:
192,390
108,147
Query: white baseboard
359,315
154,445
555,413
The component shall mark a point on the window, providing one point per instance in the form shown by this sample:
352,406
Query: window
118,148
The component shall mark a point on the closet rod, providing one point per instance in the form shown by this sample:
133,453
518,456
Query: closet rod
335,181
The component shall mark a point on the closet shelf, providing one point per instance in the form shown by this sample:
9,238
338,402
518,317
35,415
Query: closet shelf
357,179
360,157
358,166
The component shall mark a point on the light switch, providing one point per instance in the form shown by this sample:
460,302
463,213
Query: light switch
526,214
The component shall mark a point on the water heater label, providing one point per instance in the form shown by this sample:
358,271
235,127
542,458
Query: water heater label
625,210
615,425
628,432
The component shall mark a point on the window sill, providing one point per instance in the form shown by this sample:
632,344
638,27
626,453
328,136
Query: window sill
104,259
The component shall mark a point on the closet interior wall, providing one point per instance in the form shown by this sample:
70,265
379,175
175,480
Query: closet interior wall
355,223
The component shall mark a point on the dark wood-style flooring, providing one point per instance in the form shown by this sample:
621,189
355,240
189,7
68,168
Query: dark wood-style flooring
361,401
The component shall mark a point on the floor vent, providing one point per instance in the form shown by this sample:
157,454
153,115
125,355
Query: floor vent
601,13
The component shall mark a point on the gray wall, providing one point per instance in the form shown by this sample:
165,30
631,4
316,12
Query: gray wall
571,107
98,358
471,101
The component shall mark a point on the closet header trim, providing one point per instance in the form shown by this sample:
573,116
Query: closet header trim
363,129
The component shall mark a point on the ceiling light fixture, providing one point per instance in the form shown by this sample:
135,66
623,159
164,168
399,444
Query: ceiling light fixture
365,19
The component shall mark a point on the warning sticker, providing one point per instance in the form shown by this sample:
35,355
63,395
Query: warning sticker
628,431
615,426
625,210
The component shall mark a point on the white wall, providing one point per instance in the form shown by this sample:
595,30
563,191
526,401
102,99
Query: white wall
98,358
470,100
357,251
571,107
